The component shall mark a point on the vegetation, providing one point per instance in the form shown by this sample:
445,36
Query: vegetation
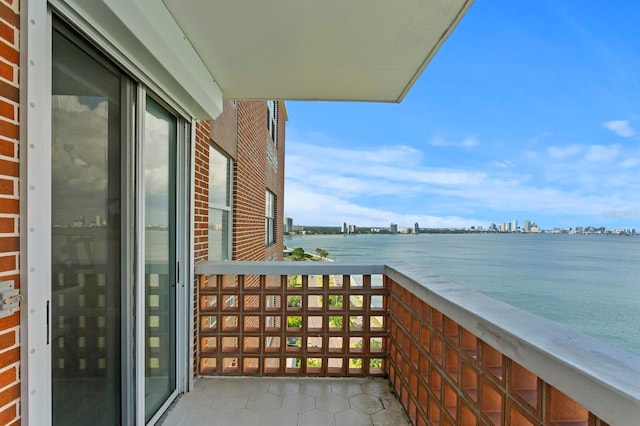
322,253
375,363
298,254
294,322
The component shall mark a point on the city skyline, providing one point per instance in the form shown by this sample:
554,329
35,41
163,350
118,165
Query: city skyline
527,110
510,226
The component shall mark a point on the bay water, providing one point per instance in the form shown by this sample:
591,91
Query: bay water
590,283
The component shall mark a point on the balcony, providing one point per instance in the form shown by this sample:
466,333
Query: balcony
451,355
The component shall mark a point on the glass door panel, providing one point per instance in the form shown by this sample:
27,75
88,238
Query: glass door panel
159,159
86,238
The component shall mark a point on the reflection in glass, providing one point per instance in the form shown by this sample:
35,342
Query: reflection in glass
219,205
219,178
218,235
85,183
159,208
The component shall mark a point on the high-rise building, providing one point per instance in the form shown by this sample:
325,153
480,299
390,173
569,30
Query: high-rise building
393,228
416,228
344,228
288,224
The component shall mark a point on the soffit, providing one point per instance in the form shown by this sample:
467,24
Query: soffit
364,50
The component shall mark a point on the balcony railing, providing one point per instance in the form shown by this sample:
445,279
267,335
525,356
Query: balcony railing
453,356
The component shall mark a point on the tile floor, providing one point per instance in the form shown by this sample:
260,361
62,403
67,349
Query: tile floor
224,401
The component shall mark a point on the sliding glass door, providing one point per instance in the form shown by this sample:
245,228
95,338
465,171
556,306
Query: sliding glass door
116,246
86,309
159,153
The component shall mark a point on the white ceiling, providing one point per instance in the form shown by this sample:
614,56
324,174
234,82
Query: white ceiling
371,50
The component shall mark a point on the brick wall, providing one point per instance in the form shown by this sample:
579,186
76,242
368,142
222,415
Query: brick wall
279,189
9,206
201,197
250,182
201,207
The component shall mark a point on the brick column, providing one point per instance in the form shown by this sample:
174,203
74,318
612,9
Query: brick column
9,206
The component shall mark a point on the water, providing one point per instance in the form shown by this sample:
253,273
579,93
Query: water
588,283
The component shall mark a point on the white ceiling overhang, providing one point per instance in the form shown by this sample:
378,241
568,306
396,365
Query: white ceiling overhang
363,50
201,51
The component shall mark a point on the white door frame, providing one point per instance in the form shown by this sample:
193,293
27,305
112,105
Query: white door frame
35,219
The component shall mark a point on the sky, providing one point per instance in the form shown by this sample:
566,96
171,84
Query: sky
529,111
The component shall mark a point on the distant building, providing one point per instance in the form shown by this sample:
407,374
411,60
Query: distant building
404,230
527,226
351,229
344,228
393,228
288,224
514,226
416,228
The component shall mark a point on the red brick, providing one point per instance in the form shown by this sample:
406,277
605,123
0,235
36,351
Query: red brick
6,109
9,205
7,148
11,394
9,15
9,130
7,32
9,168
7,263
7,358
7,225
8,244
9,91
7,340
6,71
7,377
7,186
9,53
9,414
8,322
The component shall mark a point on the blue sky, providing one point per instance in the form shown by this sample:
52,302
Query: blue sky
530,111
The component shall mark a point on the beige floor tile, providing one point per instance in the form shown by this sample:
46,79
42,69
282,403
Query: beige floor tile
332,403
353,418
284,401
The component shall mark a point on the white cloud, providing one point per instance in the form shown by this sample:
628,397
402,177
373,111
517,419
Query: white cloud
630,163
505,164
316,208
382,170
374,186
559,152
602,153
469,142
620,128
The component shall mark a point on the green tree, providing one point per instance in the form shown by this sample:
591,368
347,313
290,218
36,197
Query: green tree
322,253
298,254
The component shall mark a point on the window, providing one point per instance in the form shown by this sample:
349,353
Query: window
270,215
219,205
272,120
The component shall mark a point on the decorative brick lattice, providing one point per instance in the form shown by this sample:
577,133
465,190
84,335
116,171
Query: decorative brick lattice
322,325
445,375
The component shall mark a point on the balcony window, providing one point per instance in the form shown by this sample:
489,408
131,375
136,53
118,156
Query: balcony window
270,215
272,120
219,205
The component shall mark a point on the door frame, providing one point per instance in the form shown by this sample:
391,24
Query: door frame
35,213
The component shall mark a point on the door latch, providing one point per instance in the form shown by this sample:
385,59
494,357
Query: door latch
10,298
